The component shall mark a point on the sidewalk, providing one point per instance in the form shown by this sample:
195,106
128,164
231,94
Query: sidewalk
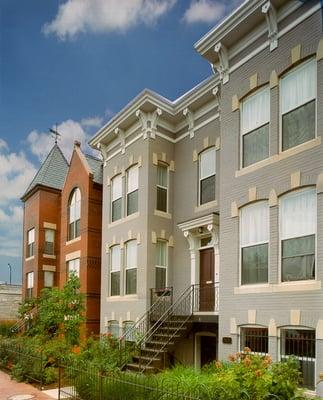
9,388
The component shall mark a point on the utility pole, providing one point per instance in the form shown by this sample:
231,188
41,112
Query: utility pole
9,273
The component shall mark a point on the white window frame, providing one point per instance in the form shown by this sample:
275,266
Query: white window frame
112,199
255,244
253,326
280,242
52,274
74,265
74,212
31,242
30,283
160,163
242,133
127,268
209,149
116,323
166,259
112,269
280,105
135,166
46,241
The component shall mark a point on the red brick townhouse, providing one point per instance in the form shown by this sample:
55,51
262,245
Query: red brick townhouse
62,228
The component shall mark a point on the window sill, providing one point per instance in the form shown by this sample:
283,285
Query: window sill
206,206
128,297
125,219
73,241
51,256
298,286
162,214
280,156
29,258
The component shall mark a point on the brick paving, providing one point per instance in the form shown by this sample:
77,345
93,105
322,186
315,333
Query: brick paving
9,388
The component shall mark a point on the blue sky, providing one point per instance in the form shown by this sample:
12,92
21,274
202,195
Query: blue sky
76,63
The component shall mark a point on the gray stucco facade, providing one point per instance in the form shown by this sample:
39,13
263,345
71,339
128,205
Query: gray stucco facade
254,53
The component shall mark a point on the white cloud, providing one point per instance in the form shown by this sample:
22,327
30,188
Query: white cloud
42,142
16,173
204,11
94,122
79,16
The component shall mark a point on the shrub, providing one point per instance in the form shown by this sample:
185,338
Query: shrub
6,328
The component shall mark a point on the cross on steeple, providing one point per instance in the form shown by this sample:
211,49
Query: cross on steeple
55,134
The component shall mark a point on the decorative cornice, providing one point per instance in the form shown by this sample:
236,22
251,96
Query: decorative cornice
223,66
190,121
149,122
122,137
271,17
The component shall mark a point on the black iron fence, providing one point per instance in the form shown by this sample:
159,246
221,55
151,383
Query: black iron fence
91,384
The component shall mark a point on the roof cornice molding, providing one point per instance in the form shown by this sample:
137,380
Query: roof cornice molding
216,34
36,188
160,102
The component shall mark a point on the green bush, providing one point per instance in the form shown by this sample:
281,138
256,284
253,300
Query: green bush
6,328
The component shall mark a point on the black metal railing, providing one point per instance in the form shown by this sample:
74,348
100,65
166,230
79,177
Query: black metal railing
143,325
206,297
91,384
166,293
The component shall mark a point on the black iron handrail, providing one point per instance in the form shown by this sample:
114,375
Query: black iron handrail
138,330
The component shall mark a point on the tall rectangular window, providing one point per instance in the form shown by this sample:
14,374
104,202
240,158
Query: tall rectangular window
73,267
131,267
297,235
207,176
31,242
132,190
161,264
30,284
297,100
254,237
255,127
300,343
114,328
162,187
49,241
115,271
48,279
116,198
256,339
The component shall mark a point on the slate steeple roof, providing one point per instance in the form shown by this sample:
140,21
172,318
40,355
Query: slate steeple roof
52,172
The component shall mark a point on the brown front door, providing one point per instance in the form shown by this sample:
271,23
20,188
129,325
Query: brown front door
207,293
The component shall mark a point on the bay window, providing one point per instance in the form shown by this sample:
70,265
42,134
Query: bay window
115,271
297,235
255,119
116,198
254,237
30,242
131,267
297,99
30,284
49,241
162,187
207,176
73,267
132,190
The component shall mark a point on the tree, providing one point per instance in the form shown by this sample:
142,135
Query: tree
57,312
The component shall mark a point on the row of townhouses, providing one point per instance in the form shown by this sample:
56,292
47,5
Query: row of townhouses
211,204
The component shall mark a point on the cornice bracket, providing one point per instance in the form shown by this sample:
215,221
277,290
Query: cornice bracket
223,66
190,120
103,150
122,137
149,122
271,17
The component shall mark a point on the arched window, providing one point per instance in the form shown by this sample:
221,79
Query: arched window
74,213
